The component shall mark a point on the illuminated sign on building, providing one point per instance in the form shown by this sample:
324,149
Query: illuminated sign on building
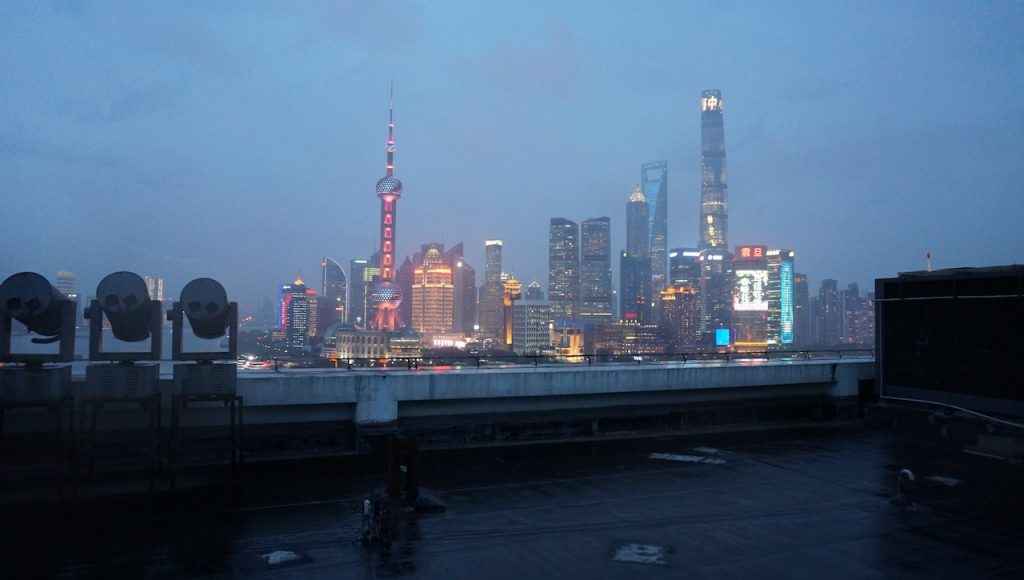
750,292
751,252
786,301
710,103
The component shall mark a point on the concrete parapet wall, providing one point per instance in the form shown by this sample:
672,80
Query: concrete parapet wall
372,398
384,397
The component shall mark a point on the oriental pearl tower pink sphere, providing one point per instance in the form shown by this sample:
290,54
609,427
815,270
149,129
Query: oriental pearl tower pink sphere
386,295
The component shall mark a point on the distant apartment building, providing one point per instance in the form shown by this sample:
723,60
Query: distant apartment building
489,311
531,327
679,320
829,315
595,302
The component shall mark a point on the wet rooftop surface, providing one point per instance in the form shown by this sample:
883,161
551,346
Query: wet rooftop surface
792,505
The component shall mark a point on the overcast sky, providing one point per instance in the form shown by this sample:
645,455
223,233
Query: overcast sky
242,141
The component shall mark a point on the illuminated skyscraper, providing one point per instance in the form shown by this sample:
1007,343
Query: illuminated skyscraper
464,280
716,282
596,270
638,228
534,291
654,181
386,296
680,316
333,292
716,261
750,298
684,266
714,219
313,305
801,311
356,314
294,308
564,268
512,290
433,293
490,310
780,298
635,293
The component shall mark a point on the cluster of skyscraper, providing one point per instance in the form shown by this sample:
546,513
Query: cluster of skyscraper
702,297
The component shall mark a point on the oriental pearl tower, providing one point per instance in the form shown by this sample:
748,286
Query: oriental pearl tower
386,295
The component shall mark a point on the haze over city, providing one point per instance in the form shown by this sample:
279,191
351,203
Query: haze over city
461,290
243,142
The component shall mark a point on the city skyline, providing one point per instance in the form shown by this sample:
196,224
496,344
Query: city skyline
631,272
793,162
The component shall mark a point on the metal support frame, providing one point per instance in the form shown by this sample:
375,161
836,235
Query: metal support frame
5,336
154,321
66,339
65,437
92,408
176,444
178,353
227,396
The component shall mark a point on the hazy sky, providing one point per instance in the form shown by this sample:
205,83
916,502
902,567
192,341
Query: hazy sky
243,141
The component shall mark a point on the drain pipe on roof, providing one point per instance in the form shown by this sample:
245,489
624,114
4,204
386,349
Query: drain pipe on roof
956,408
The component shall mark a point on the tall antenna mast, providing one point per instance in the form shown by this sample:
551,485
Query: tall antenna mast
390,168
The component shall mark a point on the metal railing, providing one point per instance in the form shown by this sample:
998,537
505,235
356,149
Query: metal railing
511,361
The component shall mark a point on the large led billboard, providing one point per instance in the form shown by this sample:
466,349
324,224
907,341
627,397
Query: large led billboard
750,293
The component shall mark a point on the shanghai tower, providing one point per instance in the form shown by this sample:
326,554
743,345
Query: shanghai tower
386,296
714,218
716,274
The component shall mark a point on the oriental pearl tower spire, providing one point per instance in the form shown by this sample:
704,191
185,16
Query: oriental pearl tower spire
386,295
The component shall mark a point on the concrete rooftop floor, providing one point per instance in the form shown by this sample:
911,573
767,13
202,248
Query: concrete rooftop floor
785,505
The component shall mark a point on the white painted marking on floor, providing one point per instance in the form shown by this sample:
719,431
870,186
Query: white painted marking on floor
641,554
944,480
970,451
687,458
707,450
278,557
